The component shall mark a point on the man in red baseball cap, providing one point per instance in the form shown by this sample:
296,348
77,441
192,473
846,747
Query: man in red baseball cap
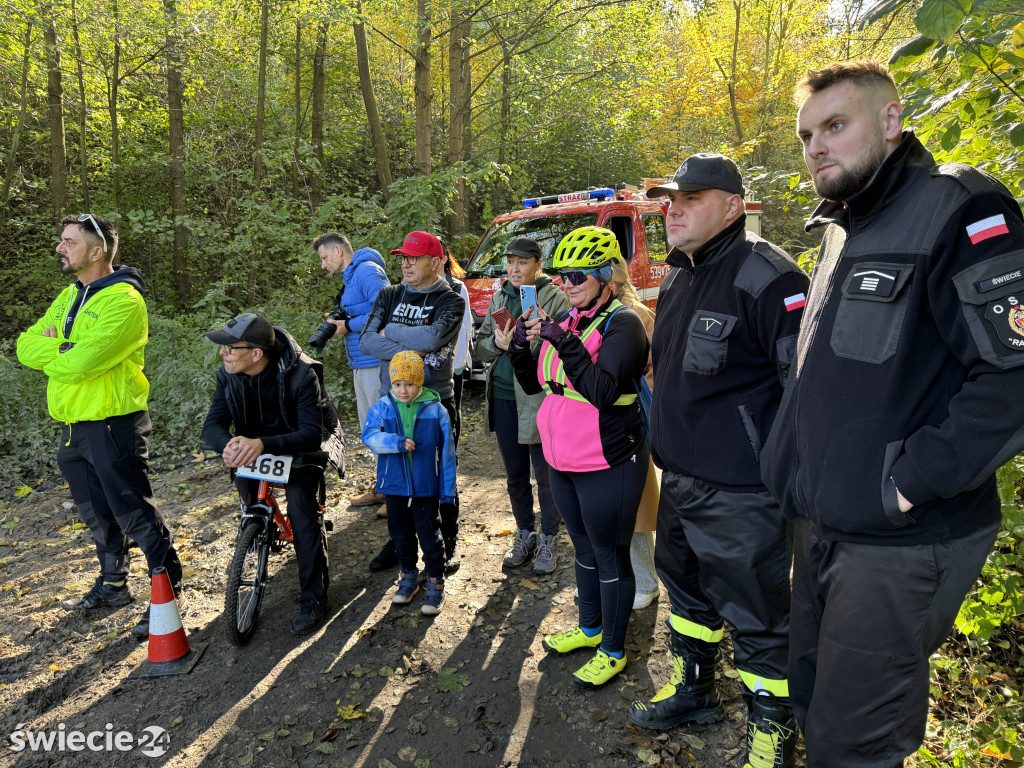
422,314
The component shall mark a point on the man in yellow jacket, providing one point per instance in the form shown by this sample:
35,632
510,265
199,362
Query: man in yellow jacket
90,345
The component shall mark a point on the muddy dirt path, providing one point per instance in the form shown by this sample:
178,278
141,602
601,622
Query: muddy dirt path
379,685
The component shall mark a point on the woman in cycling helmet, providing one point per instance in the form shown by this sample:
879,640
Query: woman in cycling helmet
591,431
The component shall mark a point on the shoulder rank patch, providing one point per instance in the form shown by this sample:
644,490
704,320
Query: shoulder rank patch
986,228
1007,318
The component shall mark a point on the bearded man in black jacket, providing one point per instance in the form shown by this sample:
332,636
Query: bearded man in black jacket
904,399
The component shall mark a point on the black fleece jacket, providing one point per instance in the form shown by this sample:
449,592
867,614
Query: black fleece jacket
724,339
910,362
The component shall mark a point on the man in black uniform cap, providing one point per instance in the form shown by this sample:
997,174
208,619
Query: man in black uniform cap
724,335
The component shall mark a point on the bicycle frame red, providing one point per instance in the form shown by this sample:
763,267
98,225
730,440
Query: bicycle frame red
265,495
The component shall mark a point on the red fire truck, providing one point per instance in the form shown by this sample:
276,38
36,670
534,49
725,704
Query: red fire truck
638,223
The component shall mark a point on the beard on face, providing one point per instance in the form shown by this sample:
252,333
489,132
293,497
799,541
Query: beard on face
849,181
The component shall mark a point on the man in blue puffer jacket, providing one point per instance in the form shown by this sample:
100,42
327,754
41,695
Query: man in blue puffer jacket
364,276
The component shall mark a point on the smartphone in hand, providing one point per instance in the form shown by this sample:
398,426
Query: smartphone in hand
503,318
528,295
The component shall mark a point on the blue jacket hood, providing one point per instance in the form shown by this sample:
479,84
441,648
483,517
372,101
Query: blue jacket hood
359,257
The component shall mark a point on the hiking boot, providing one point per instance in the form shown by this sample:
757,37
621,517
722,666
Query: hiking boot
434,599
105,595
386,559
573,640
690,695
408,585
522,548
368,499
547,557
771,733
141,629
599,670
312,615
452,557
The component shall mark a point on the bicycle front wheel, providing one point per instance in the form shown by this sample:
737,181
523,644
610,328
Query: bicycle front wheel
247,580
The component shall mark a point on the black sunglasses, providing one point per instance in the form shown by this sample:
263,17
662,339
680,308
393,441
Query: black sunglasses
577,276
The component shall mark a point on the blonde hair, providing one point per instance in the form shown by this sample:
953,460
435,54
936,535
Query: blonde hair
623,289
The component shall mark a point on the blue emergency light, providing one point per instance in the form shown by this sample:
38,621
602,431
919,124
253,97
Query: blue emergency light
604,193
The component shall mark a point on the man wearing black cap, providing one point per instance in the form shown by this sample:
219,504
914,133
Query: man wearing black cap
422,314
724,336
511,414
273,395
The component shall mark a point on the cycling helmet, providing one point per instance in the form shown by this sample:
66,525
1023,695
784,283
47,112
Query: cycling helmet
587,248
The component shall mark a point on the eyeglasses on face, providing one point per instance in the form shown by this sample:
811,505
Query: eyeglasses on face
95,225
577,276
231,350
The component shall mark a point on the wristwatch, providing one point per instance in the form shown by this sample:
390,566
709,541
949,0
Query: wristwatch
65,346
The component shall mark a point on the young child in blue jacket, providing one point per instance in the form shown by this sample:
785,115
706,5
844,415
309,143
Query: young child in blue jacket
411,434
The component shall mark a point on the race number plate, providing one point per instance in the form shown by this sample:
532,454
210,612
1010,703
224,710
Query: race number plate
273,469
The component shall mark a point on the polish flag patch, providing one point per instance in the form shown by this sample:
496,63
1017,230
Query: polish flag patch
795,301
986,228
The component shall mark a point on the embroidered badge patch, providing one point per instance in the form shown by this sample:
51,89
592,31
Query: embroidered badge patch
986,228
795,302
1007,318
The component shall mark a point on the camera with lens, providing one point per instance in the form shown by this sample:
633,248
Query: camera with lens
327,329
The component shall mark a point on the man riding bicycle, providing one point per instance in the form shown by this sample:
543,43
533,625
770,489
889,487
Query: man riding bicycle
273,395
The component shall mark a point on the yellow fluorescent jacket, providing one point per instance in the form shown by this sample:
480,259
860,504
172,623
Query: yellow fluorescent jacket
101,375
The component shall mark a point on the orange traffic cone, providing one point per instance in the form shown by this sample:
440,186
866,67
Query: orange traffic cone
169,651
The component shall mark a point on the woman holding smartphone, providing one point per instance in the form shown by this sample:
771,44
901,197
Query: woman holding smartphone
512,414
592,434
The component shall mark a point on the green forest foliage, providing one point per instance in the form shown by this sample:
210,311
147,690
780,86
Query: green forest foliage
278,143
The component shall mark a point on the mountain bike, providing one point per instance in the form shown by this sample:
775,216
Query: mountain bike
263,528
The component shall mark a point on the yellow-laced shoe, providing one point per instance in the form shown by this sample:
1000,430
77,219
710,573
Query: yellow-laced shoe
573,640
599,670
771,733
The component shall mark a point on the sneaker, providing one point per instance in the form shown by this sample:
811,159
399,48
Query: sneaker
141,629
435,597
408,585
368,499
104,595
547,557
573,640
311,616
642,599
599,670
386,559
522,548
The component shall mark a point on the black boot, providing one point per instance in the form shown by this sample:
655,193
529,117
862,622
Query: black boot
771,732
386,558
691,695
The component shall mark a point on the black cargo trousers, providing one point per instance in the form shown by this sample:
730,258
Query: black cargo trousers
106,464
865,620
724,556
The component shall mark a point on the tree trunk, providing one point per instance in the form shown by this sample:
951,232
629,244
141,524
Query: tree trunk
261,94
505,119
733,74
459,86
380,144
298,109
83,111
176,136
12,152
316,194
113,84
421,87
55,116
